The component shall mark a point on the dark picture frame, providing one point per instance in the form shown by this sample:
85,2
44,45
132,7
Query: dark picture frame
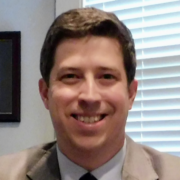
10,59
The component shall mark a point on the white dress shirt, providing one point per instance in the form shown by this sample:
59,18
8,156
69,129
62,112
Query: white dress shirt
110,170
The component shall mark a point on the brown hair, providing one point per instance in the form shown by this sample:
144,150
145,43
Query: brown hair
78,23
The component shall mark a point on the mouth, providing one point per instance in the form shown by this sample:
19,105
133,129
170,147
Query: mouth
89,119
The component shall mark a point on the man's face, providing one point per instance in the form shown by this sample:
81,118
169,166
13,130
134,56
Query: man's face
88,95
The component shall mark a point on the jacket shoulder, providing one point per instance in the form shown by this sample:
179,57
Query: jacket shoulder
143,161
165,165
15,166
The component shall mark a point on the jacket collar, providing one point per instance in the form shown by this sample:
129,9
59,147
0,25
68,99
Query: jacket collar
137,164
47,167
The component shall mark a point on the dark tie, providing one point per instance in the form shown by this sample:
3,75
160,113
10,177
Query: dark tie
87,176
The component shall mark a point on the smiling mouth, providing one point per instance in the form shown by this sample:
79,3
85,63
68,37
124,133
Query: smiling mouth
89,119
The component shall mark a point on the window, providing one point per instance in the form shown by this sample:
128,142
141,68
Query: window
155,26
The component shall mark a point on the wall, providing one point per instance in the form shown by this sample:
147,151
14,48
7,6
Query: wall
64,5
32,18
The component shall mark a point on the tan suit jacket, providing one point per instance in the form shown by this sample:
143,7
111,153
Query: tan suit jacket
40,163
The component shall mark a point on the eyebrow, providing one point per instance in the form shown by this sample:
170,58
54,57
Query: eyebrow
68,69
75,69
63,69
110,69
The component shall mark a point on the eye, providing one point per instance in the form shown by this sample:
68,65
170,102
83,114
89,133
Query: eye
108,76
107,79
69,76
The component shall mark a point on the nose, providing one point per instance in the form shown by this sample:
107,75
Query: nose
89,96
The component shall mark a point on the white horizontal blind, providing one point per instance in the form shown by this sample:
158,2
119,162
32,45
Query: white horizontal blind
155,25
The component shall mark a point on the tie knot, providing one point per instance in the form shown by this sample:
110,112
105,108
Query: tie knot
87,176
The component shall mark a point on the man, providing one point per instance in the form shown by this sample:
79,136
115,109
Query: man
88,66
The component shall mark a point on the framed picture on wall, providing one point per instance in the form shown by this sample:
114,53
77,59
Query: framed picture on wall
10,59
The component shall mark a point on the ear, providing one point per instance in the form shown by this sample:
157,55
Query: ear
132,92
43,90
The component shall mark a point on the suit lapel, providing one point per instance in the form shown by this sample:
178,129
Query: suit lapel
47,167
137,165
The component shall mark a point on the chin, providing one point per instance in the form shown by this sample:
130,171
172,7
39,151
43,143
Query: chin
88,143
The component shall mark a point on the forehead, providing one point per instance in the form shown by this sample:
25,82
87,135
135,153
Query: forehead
90,50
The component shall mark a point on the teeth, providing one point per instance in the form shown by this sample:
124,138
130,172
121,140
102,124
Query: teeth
96,119
89,119
86,119
81,118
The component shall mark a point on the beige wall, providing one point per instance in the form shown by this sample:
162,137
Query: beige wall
64,5
32,18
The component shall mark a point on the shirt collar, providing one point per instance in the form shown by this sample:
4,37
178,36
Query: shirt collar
110,170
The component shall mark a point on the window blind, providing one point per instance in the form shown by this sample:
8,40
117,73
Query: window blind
155,25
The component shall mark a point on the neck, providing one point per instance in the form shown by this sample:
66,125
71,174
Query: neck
94,158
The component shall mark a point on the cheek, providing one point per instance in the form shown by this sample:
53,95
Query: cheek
120,101
60,104
61,99
118,97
